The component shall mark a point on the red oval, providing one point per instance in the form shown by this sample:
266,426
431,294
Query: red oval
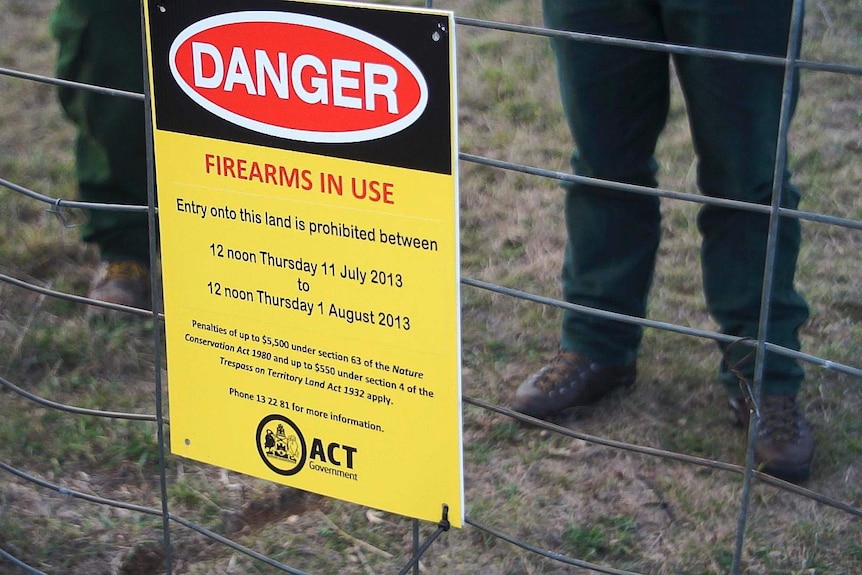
294,40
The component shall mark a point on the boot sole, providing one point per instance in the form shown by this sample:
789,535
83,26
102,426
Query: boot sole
790,474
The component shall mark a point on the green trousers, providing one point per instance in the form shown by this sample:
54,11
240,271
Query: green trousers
616,102
100,43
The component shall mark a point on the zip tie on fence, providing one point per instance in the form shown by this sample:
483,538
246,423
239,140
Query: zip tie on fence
548,554
60,216
442,526
78,298
76,410
663,454
444,520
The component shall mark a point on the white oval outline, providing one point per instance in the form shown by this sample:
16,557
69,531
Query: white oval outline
313,22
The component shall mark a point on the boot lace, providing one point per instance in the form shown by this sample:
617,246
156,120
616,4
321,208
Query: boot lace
780,416
559,371
125,270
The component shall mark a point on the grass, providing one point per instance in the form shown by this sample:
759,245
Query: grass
570,496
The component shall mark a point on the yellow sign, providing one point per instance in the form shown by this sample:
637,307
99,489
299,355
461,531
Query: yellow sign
309,244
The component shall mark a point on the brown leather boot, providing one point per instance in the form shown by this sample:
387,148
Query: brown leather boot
784,446
569,380
121,282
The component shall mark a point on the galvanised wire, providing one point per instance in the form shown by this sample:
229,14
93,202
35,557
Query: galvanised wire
705,462
70,84
76,298
661,46
152,512
59,203
156,288
669,455
522,295
560,558
791,66
20,564
660,193
794,46
419,550
78,494
664,326
74,409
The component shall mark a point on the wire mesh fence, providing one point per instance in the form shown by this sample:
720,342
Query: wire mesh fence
479,533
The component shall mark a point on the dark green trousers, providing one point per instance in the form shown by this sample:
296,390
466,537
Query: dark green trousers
100,43
616,101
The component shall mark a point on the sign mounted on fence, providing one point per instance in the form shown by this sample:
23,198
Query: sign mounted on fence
306,167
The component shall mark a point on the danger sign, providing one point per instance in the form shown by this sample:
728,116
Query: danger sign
306,169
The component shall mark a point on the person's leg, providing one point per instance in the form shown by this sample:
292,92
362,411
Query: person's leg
734,111
616,102
100,43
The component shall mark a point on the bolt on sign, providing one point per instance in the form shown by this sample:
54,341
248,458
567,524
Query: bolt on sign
306,167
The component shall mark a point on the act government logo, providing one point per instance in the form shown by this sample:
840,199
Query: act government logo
281,445
298,77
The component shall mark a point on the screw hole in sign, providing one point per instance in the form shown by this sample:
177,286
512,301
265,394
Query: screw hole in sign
438,34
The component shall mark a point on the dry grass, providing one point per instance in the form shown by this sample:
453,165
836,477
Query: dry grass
602,505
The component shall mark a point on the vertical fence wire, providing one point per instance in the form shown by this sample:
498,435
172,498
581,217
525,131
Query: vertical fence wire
155,288
794,45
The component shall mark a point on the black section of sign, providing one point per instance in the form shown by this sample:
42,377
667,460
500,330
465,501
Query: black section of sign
425,145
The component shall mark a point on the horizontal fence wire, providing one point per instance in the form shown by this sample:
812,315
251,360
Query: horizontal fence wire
150,511
56,205
838,68
105,91
73,409
558,557
659,193
20,564
76,298
669,455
